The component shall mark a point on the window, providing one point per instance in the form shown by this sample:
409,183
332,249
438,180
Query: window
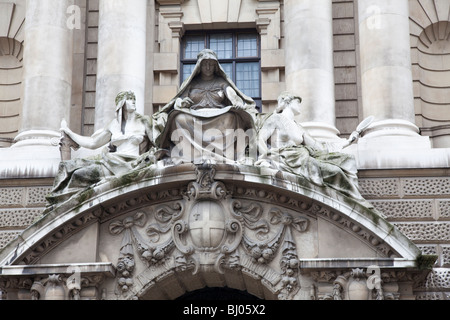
238,53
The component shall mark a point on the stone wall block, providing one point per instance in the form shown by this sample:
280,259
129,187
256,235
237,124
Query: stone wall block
445,255
406,209
12,197
443,207
380,188
438,278
19,218
429,186
35,196
435,232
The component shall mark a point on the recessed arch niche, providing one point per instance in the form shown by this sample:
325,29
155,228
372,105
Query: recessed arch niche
430,45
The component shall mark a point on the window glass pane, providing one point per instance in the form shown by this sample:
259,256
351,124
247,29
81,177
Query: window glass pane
222,44
228,68
193,45
247,78
247,45
187,70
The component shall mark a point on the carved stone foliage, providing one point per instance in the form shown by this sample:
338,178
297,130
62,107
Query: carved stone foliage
262,248
209,231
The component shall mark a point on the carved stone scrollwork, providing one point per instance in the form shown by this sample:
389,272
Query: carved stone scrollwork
61,286
150,251
263,248
360,284
166,216
205,187
208,231
204,229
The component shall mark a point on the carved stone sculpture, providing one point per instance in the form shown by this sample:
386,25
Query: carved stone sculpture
209,231
359,284
126,143
209,121
203,120
279,190
285,145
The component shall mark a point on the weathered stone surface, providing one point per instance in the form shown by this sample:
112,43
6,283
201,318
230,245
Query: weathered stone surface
404,174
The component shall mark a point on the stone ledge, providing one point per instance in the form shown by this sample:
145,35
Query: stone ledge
355,263
29,162
43,161
398,152
105,268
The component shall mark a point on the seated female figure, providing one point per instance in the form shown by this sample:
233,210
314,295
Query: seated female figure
127,146
205,118
286,145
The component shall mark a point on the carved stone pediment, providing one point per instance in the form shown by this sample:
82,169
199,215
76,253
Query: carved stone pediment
189,226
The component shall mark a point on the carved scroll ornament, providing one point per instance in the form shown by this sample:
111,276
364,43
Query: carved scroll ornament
209,231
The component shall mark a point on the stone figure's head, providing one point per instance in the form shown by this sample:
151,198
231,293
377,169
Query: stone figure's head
124,96
288,100
209,63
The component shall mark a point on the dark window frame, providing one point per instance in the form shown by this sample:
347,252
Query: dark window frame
206,34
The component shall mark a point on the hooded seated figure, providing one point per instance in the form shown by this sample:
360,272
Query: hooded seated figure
209,120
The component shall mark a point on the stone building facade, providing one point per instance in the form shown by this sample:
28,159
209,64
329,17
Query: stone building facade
347,59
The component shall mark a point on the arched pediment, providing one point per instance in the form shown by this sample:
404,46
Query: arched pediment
188,227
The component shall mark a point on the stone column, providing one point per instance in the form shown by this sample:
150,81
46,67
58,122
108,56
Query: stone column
47,79
387,84
309,63
121,55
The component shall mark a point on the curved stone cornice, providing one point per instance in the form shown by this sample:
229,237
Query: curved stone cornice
138,189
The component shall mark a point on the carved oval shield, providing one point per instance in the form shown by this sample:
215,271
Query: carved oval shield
207,224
